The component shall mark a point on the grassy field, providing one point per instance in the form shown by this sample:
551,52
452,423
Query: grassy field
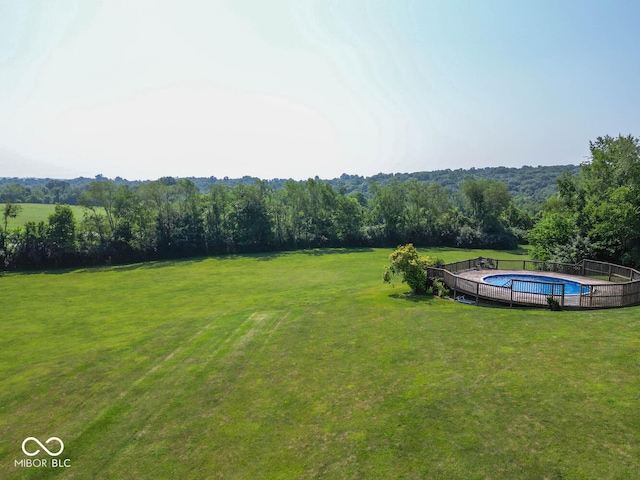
34,212
305,365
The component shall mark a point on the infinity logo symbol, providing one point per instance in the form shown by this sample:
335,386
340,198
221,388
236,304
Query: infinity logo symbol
31,454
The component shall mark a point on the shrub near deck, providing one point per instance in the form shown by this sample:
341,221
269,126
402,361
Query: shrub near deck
306,365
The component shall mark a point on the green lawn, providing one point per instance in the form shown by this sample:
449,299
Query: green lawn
305,365
34,212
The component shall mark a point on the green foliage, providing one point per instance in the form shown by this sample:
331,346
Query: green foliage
249,216
576,249
10,210
487,200
598,214
61,235
389,208
62,229
123,221
553,230
553,304
407,264
439,288
529,186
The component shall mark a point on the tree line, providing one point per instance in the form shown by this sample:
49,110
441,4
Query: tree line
530,186
596,213
170,218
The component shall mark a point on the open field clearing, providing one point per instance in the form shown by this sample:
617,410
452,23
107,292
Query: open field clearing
305,365
35,212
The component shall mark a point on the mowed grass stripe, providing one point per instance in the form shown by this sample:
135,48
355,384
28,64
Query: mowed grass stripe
304,365
141,408
192,365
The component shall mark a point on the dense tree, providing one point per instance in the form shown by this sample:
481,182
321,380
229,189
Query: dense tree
31,246
426,207
297,202
14,193
249,217
553,230
487,200
99,199
170,217
598,212
216,206
388,210
322,206
348,220
61,235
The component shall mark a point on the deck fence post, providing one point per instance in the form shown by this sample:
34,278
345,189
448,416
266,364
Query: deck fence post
455,286
609,272
562,298
511,296
580,299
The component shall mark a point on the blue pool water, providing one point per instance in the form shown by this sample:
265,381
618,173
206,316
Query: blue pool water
529,283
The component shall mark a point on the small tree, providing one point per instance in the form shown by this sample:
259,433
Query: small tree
10,210
411,267
61,235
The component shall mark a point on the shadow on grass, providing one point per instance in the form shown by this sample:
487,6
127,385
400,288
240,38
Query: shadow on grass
150,264
473,252
412,297
314,252
154,264
521,250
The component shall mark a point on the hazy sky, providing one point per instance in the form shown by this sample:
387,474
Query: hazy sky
293,89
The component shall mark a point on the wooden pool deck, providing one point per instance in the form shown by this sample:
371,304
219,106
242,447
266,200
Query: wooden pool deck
470,282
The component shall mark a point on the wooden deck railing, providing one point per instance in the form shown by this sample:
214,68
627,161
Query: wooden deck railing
624,291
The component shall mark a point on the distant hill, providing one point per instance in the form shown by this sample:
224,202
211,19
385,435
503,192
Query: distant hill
528,185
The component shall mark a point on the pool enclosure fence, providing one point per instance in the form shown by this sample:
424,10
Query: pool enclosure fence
609,285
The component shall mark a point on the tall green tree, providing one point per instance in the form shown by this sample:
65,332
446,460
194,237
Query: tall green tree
10,210
321,210
487,200
601,202
297,202
348,219
61,235
388,210
553,230
99,199
216,209
426,207
250,218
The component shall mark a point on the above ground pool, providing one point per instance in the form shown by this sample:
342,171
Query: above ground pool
530,283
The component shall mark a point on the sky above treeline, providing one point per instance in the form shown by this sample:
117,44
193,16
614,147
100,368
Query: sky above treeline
293,89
